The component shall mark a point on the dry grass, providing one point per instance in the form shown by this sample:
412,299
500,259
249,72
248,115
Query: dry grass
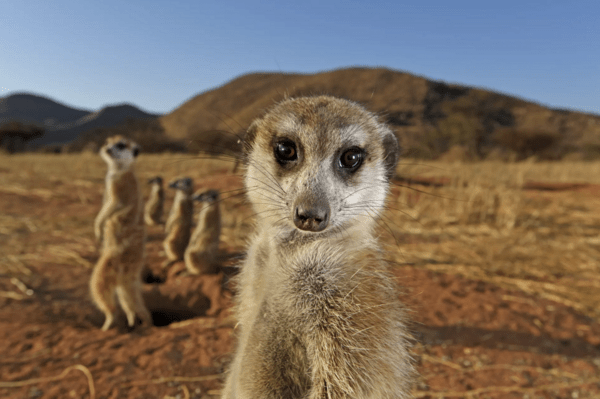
490,229
481,224
32,381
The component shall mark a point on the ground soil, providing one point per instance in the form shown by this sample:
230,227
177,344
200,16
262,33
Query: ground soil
472,338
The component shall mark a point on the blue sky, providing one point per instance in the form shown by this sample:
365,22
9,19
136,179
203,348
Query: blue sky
158,54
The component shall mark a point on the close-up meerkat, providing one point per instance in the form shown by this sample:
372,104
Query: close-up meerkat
318,309
179,223
153,211
118,270
202,251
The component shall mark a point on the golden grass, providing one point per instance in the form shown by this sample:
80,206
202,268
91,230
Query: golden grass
481,225
487,227
490,229
496,173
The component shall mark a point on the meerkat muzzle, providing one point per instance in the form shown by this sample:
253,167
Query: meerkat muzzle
311,214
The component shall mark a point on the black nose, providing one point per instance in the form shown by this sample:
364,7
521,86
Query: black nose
311,215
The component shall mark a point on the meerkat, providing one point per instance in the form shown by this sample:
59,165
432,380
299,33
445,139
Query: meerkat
201,254
179,222
319,314
153,211
123,235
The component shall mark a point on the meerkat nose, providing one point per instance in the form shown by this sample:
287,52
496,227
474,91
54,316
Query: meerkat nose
312,215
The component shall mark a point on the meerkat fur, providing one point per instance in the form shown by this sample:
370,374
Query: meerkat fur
201,254
117,274
179,223
318,309
154,208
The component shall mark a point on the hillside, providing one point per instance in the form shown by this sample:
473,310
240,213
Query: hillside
63,124
105,118
30,108
429,117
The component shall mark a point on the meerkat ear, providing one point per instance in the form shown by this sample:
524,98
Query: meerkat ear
391,152
136,151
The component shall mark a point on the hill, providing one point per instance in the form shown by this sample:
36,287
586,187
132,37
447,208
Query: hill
30,108
429,117
105,118
63,124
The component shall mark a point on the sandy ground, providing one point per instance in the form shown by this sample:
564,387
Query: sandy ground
474,338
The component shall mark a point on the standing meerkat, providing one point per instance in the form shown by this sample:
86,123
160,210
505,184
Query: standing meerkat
123,235
179,222
201,253
319,314
153,211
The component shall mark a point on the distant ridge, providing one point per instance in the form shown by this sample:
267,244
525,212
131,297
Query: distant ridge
31,108
62,123
429,117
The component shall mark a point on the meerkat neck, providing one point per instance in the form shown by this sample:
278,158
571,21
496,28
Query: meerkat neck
115,171
180,197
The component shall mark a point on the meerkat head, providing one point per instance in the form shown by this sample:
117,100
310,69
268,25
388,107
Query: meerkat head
156,180
209,196
119,152
319,164
185,184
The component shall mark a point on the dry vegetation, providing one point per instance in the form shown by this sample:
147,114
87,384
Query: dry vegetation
522,226
501,264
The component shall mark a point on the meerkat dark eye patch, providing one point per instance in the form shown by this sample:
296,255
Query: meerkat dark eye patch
285,151
351,159
120,146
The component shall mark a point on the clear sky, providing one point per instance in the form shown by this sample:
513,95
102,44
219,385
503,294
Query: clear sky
158,54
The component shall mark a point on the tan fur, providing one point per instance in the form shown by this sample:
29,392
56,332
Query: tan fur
201,253
179,224
318,308
120,228
153,211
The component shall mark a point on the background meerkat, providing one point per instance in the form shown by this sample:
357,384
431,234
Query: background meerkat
153,210
318,310
201,253
179,222
118,270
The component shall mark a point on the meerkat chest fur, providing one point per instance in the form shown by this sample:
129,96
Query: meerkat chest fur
181,211
319,314
123,188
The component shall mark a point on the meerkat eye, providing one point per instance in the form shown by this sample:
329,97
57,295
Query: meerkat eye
120,146
285,151
352,158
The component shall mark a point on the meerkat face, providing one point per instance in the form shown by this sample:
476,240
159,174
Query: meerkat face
156,180
318,165
209,196
184,184
119,152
